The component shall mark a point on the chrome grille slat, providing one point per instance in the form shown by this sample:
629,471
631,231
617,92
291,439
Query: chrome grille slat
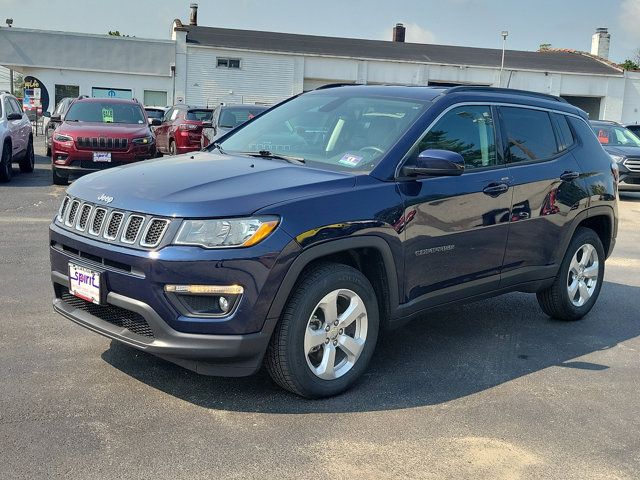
132,229
154,232
102,143
632,164
85,212
96,221
111,225
71,215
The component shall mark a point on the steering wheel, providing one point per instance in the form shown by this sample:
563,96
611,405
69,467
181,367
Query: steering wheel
374,148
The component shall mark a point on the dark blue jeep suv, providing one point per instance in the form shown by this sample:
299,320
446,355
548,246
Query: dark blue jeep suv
294,239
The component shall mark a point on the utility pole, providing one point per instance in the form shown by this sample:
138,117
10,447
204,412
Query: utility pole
504,34
9,22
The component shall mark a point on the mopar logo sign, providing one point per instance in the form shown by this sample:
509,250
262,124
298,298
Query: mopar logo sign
105,198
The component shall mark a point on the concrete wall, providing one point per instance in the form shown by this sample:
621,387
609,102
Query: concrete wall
631,105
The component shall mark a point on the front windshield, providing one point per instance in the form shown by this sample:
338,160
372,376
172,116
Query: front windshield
336,132
614,136
105,112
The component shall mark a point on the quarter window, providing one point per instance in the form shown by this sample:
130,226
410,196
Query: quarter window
467,130
566,139
529,134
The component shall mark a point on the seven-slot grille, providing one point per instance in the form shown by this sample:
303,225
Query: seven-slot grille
102,143
632,164
112,225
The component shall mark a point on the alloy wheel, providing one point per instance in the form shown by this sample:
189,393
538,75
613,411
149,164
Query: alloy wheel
582,278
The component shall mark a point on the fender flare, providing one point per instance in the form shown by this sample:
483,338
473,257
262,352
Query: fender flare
328,248
599,210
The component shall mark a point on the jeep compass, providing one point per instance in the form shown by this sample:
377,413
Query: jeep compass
294,240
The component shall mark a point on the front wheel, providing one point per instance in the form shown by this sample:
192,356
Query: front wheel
578,283
28,162
173,151
58,178
327,333
5,164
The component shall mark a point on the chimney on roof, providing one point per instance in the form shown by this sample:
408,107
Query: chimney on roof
399,32
600,43
193,18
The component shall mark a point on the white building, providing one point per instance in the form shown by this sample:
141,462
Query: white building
206,66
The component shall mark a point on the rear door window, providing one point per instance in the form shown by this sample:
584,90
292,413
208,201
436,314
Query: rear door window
529,134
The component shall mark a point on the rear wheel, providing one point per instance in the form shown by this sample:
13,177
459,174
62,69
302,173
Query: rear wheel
58,178
327,333
27,163
577,286
5,164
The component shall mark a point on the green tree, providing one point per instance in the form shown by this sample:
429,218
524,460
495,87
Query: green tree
116,33
544,47
18,84
629,65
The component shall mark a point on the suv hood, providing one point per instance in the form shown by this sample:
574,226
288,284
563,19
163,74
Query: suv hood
205,184
91,129
624,151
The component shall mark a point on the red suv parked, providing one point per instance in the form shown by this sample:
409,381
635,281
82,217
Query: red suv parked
181,129
99,133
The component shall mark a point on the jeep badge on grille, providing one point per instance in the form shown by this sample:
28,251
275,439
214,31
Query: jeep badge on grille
105,198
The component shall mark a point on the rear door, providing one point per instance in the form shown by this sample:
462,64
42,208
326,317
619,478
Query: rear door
162,130
456,227
547,189
14,126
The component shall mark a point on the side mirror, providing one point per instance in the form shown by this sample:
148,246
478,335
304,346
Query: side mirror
46,114
156,122
14,116
207,124
439,163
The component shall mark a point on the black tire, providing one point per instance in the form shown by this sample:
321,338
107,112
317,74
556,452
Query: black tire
48,151
555,301
286,360
6,171
58,178
28,162
172,148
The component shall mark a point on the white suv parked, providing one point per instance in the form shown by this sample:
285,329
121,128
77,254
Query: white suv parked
16,137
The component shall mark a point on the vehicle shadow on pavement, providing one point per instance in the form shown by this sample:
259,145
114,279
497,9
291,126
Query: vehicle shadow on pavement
446,355
40,177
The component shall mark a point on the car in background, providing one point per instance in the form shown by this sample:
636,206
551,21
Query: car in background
16,137
635,128
181,129
624,148
155,113
99,133
227,118
55,119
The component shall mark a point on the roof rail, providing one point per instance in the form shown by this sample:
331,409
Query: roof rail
335,85
511,91
80,97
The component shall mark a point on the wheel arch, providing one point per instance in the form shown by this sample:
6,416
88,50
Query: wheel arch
369,254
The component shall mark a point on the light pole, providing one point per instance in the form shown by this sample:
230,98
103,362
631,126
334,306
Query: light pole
504,34
9,22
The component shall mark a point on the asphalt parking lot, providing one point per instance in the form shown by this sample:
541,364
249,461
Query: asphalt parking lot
491,390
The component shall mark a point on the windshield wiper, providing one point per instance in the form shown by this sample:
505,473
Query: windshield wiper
217,145
276,156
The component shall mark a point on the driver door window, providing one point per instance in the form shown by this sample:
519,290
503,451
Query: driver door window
468,130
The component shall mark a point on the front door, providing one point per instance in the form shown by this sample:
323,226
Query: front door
457,227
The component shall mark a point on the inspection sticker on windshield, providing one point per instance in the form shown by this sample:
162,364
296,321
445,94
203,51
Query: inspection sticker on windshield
350,160
107,115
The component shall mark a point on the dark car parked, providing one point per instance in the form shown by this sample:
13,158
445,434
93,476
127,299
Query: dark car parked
226,118
624,147
56,119
181,129
299,238
635,128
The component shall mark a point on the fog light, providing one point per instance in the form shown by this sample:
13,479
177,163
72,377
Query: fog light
224,304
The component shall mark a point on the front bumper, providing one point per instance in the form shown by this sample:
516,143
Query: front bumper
134,279
628,177
223,355
67,158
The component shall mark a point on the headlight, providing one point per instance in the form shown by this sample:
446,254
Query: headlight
617,158
226,233
62,138
143,140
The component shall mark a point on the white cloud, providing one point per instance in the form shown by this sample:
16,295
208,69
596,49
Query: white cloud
630,17
415,34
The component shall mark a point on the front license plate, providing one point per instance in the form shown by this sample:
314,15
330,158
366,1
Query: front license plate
101,156
84,283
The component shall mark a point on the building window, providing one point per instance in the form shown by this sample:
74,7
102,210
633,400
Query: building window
228,62
155,98
64,91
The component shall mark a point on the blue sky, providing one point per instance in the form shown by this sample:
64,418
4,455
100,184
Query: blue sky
563,23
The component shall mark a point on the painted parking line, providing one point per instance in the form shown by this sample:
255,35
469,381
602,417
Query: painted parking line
25,219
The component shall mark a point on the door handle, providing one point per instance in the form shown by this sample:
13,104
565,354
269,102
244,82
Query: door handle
495,189
569,176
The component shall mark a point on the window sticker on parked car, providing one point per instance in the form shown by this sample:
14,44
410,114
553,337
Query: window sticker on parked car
107,115
350,160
